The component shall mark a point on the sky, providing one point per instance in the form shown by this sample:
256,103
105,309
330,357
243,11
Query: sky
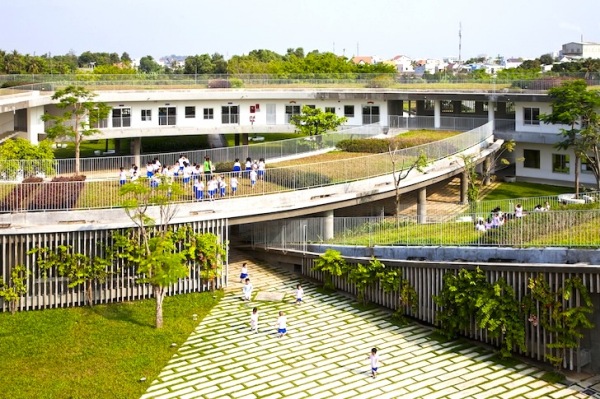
384,28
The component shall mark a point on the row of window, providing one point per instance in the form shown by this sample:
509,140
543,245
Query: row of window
560,162
167,116
466,106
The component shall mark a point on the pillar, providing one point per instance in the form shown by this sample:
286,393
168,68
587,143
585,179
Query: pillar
422,205
244,138
136,149
328,228
487,170
464,185
237,139
437,114
491,113
35,125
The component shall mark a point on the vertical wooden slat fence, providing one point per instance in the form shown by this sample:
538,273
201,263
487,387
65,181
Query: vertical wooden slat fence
52,291
427,279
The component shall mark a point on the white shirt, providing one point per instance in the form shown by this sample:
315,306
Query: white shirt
299,293
247,289
374,359
281,322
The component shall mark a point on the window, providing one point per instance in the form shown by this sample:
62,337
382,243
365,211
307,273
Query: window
230,114
467,107
349,111
209,113
532,159
586,164
312,106
560,163
290,111
121,117
190,112
428,105
447,106
531,116
167,116
146,115
95,123
370,114
330,110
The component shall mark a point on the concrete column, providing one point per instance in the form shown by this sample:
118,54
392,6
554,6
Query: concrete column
422,205
244,138
437,114
487,164
491,113
35,125
328,228
463,188
136,149
237,139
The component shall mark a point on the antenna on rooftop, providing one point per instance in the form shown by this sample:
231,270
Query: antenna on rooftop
459,41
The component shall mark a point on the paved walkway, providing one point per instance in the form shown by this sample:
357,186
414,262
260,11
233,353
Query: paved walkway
325,354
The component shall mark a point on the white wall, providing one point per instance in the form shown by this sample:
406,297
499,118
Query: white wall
545,170
545,108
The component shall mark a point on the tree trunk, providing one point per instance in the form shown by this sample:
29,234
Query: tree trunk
159,296
12,305
77,152
89,292
577,174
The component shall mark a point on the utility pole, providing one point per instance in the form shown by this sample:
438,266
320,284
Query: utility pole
459,41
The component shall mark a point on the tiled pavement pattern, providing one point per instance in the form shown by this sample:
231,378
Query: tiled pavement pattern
325,354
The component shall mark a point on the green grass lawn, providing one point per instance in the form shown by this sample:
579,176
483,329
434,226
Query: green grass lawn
99,352
524,190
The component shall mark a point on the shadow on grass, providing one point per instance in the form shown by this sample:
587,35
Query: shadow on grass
121,313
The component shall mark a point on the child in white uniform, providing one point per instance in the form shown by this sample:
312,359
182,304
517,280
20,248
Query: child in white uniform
299,294
247,290
254,321
281,324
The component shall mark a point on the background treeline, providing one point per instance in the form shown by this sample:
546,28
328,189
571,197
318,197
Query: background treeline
256,62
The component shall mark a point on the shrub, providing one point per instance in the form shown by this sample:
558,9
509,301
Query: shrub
371,146
295,178
62,193
381,81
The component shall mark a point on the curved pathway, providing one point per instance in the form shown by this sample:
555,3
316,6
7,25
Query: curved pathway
325,354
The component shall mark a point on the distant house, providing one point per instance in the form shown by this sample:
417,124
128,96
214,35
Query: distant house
512,62
581,50
362,60
402,63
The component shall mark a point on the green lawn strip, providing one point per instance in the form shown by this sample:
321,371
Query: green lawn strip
506,191
99,352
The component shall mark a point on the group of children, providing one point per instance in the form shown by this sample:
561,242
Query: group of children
246,295
215,186
281,323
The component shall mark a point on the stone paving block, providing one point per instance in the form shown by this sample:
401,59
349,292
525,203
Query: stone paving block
541,392
494,382
278,389
515,392
441,392
165,384
431,375
465,393
176,393
489,393
471,382
462,365
437,365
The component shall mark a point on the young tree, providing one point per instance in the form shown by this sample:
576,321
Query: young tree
365,277
15,288
498,158
314,121
80,115
575,106
157,252
79,269
331,263
18,149
407,165
208,253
